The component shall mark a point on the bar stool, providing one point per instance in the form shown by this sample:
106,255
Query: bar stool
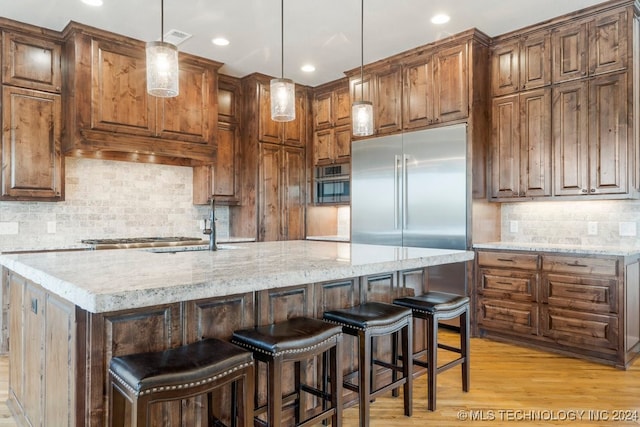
433,307
376,319
180,373
296,340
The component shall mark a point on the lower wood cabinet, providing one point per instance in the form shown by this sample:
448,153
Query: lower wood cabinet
583,305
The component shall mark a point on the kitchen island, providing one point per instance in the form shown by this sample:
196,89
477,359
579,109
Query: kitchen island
71,312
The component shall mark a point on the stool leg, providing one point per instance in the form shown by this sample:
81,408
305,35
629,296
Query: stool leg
394,360
407,367
432,361
117,407
364,376
335,361
299,395
140,412
274,398
464,348
248,396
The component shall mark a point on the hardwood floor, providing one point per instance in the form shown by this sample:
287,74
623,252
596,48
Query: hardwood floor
509,386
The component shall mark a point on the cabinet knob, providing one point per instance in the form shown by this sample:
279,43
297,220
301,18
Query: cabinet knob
593,190
584,190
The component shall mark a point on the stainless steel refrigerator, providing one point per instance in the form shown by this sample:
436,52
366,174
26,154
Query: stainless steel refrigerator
410,190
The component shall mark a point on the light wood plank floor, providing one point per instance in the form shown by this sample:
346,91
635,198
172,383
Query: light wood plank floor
509,385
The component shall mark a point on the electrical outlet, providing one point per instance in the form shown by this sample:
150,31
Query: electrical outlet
513,226
627,228
592,228
51,227
203,224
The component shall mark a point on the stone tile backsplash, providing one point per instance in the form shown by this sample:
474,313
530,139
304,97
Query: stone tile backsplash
572,222
109,199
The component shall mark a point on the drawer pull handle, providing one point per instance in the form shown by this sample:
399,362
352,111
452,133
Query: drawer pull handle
576,265
505,260
503,283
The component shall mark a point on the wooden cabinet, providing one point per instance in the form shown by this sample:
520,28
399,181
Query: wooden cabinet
220,180
30,150
42,349
332,123
521,145
591,46
274,174
110,111
592,134
521,63
582,305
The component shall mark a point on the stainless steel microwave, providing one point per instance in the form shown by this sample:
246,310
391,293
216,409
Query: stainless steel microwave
332,184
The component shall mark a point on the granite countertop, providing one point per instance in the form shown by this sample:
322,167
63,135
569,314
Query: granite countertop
110,280
562,248
332,238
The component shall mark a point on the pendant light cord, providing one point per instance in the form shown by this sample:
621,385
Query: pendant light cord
282,38
361,50
162,21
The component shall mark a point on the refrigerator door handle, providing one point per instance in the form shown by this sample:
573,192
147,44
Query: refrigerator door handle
405,189
396,190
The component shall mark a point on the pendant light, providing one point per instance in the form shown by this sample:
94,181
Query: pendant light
162,65
362,111
283,92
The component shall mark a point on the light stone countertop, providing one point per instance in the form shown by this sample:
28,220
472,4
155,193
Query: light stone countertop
562,248
110,280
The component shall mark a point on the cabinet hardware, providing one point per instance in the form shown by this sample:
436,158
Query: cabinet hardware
503,283
593,190
584,190
34,305
576,265
505,260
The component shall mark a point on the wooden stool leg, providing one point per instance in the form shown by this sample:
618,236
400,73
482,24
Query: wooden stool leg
274,387
364,377
335,361
407,368
117,407
300,402
394,360
139,412
248,396
432,361
464,348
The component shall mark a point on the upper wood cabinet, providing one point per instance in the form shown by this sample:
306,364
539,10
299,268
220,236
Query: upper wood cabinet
30,150
288,133
591,46
332,117
521,63
220,180
109,109
521,149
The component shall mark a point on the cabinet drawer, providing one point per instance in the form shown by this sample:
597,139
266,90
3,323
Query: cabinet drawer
581,293
508,259
518,285
579,265
508,316
589,331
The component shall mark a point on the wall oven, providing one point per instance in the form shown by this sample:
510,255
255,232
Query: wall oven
332,184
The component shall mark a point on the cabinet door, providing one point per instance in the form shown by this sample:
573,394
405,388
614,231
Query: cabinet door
342,106
535,143
31,62
570,51
269,185
268,130
508,316
608,42
505,147
535,60
225,169
505,67
418,94
322,110
119,100
342,143
387,105
295,131
570,132
16,334
33,353
322,146
608,130
191,116
451,86
293,190
31,159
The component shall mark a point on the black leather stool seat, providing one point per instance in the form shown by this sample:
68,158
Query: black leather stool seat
368,315
376,319
433,307
179,373
293,336
295,342
433,302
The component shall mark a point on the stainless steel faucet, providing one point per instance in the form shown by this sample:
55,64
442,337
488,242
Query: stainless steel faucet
211,230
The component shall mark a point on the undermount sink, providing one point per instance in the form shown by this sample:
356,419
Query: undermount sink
176,249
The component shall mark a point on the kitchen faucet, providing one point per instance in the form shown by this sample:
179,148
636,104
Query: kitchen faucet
211,231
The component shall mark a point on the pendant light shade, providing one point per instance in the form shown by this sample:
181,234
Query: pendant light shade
162,65
362,111
283,91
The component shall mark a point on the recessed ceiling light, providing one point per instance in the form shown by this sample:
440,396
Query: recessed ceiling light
220,41
93,2
440,18
308,68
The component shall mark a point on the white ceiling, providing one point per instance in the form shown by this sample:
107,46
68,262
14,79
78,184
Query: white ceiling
323,32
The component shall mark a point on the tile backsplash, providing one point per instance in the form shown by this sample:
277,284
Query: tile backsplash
109,199
597,222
